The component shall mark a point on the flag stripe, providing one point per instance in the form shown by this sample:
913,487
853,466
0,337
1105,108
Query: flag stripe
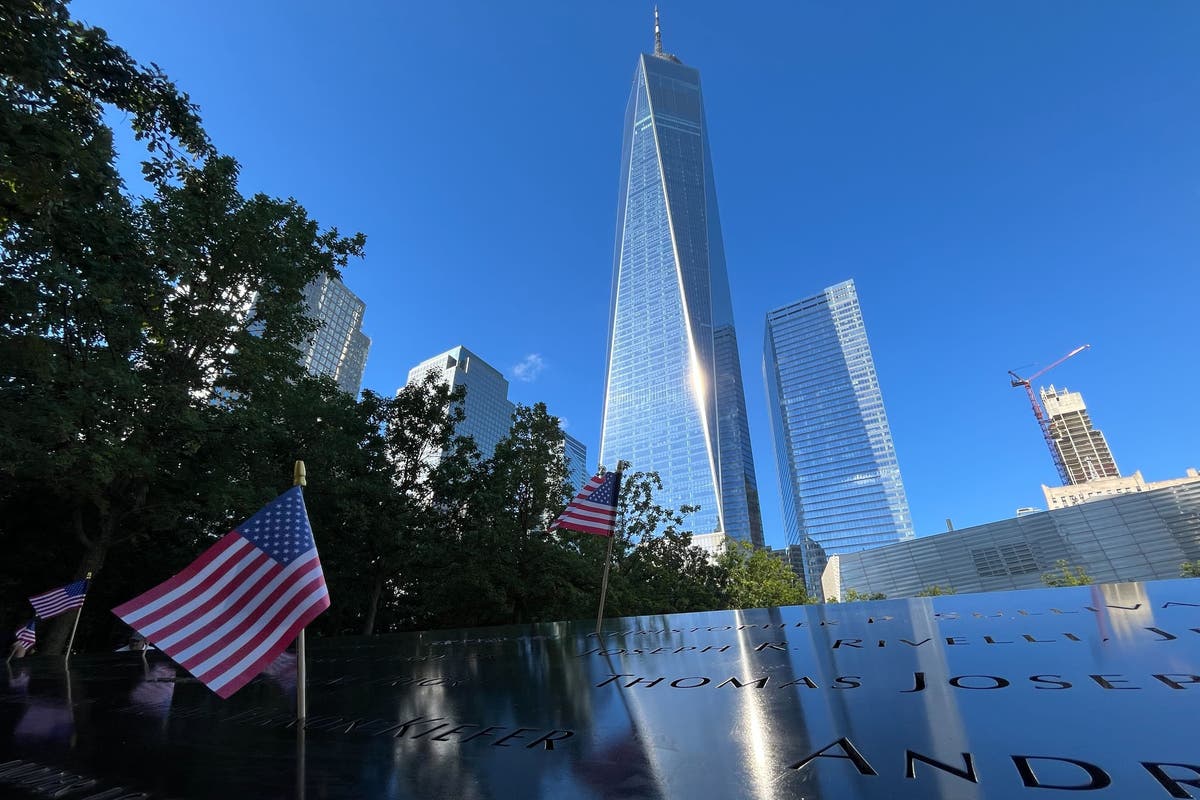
590,486
316,601
238,618
182,612
587,513
585,521
193,575
591,510
257,572
584,527
238,681
312,603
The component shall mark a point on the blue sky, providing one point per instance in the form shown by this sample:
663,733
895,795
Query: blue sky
1004,182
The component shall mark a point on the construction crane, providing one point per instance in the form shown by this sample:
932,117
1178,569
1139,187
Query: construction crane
1042,421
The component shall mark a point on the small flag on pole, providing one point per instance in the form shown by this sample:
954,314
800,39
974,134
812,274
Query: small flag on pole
27,634
594,509
56,601
233,610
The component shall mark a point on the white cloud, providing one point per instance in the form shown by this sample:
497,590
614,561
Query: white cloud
530,368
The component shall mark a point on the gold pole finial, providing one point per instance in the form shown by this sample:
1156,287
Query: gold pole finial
298,475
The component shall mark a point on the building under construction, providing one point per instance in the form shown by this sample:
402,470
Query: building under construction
1082,450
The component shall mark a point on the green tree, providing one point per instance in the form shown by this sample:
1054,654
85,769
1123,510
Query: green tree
492,561
936,591
528,476
1190,569
421,452
755,579
855,596
131,329
1066,575
657,569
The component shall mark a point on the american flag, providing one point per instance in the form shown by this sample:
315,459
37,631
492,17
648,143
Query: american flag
233,610
27,634
56,601
594,509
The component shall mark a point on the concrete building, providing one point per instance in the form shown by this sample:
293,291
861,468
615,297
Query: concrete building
1073,495
1125,537
839,479
487,410
1083,449
338,348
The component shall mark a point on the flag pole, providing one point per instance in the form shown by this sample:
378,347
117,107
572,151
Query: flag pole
78,614
612,534
604,582
299,478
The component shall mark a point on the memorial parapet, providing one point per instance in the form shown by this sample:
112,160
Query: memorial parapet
1040,694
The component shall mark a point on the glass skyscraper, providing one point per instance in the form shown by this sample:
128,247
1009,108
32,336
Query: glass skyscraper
674,400
487,411
338,348
839,478
575,452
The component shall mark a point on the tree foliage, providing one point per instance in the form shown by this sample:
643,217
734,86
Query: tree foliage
934,590
855,596
756,579
150,395
1065,574
1190,569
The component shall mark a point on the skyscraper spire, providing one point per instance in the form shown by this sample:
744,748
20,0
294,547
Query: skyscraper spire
658,48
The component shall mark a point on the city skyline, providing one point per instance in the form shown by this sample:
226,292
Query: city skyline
673,401
952,163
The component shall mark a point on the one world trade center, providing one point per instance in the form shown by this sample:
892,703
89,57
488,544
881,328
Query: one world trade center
673,400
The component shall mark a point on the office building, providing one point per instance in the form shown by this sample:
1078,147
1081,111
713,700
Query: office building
486,408
338,348
839,479
578,471
1126,537
1082,448
799,557
674,400
1076,493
